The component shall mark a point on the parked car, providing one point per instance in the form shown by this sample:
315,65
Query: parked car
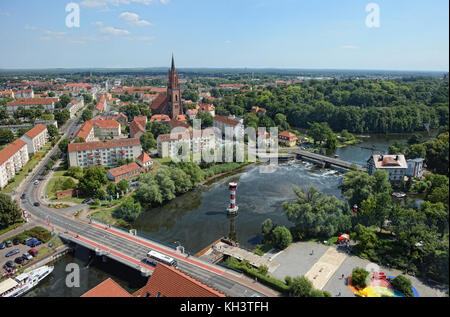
27,256
36,204
2,246
34,242
25,241
16,241
10,264
33,252
19,260
23,196
9,244
11,253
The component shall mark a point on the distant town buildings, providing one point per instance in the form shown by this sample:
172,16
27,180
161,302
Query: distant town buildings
74,106
46,103
395,165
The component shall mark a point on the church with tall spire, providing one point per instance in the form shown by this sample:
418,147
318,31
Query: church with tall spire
170,103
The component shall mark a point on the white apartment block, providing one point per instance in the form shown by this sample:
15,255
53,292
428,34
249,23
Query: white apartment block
36,138
12,159
169,146
27,93
103,153
223,123
45,103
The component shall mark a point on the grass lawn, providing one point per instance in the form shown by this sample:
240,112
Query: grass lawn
105,216
54,185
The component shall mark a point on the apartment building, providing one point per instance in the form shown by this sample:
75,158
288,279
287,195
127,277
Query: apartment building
168,145
98,129
74,106
46,103
103,153
36,138
236,125
26,93
12,159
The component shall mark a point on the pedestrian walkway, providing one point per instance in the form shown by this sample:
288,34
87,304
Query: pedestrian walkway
321,272
19,229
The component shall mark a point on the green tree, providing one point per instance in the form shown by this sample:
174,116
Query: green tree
416,151
6,136
301,287
359,278
403,285
148,142
129,210
63,145
52,131
266,230
281,237
86,115
357,187
68,184
9,211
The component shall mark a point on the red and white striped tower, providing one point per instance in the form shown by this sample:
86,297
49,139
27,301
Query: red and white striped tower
233,208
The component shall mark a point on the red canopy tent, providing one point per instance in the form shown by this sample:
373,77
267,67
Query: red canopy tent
344,237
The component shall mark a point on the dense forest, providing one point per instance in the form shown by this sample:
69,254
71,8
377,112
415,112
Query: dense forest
359,106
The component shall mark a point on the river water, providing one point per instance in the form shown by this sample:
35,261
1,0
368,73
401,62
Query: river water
199,218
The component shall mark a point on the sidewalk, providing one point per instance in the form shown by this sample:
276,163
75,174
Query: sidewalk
19,229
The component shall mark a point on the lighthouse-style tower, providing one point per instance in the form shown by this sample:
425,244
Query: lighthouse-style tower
233,208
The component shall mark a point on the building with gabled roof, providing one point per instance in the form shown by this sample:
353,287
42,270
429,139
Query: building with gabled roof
123,172
145,161
167,281
12,159
35,138
395,165
105,153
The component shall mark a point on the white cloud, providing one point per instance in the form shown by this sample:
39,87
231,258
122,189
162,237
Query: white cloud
30,27
98,23
113,31
349,47
133,18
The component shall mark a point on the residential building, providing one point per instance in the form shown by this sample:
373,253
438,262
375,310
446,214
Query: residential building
16,127
287,138
46,103
121,117
192,113
206,107
74,106
36,138
415,168
123,172
167,281
98,129
105,153
7,94
395,165
12,159
223,123
107,288
145,161
160,118
86,132
136,130
27,93
168,145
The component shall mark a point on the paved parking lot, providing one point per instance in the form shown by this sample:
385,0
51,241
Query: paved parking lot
22,249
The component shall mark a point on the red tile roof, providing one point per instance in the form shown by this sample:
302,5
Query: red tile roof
169,282
34,132
160,118
102,145
288,135
32,101
106,124
144,158
124,169
135,128
10,150
226,120
158,102
142,120
85,130
107,288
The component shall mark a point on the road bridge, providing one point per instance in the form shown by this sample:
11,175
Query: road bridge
325,161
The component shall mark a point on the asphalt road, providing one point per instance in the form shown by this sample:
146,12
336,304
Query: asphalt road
120,244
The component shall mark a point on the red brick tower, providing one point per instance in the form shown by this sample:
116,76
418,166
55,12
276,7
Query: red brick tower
174,93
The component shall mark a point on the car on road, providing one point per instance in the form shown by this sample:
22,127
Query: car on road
11,253
36,182
27,256
23,196
19,260
9,244
36,204
16,241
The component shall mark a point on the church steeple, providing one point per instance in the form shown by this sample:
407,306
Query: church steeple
173,63
174,92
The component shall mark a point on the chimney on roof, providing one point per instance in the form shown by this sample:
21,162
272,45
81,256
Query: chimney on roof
380,158
396,158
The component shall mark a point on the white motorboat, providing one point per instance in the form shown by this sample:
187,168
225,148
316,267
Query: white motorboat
19,285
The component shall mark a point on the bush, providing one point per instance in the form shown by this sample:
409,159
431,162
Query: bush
402,284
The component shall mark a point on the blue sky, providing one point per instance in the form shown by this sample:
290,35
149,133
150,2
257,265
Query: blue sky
413,35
